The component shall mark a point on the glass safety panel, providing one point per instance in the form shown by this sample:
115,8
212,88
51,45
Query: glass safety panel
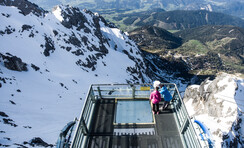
133,111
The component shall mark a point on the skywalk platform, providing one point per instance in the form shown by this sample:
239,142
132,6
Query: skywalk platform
119,116
162,133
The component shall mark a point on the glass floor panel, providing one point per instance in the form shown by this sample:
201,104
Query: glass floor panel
133,111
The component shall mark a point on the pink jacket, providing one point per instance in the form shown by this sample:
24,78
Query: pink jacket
155,97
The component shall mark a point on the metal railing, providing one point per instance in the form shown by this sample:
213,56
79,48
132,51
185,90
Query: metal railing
186,128
129,91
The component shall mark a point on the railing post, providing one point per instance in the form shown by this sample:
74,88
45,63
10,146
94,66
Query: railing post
174,93
84,127
99,92
184,126
93,97
133,91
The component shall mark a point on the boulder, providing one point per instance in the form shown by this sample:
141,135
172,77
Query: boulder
13,63
37,141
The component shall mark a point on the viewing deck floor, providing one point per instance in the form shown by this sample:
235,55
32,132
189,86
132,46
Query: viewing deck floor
162,133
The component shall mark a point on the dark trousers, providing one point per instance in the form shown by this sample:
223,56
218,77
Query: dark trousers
166,103
156,107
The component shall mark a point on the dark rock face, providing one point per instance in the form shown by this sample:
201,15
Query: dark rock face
127,53
78,52
26,27
74,40
111,25
55,32
25,6
49,46
36,68
73,17
13,63
30,29
3,114
237,141
8,30
9,121
209,61
171,66
99,34
37,141
150,37
3,81
12,102
90,62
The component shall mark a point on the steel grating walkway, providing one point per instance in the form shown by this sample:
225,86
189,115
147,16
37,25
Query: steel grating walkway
102,132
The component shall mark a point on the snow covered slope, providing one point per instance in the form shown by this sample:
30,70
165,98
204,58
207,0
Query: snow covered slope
47,62
219,104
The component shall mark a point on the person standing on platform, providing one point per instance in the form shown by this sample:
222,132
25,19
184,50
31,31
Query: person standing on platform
166,95
155,97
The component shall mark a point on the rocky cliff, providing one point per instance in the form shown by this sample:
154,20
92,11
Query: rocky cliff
219,104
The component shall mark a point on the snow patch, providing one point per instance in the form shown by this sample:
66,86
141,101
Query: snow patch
57,13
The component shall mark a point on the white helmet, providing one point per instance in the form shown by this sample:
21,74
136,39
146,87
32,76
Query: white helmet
156,84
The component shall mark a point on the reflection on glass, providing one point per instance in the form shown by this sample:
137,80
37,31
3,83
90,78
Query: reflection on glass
133,111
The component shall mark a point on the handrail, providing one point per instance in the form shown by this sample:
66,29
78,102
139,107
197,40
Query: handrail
187,121
62,141
78,132
100,91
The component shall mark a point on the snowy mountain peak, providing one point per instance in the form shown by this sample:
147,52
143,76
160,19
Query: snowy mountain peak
81,33
74,17
24,6
48,61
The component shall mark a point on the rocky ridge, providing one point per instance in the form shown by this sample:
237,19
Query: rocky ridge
219,103
153,38
24,6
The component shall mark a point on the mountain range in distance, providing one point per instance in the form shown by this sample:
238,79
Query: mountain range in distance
173,20
166,14
232,7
